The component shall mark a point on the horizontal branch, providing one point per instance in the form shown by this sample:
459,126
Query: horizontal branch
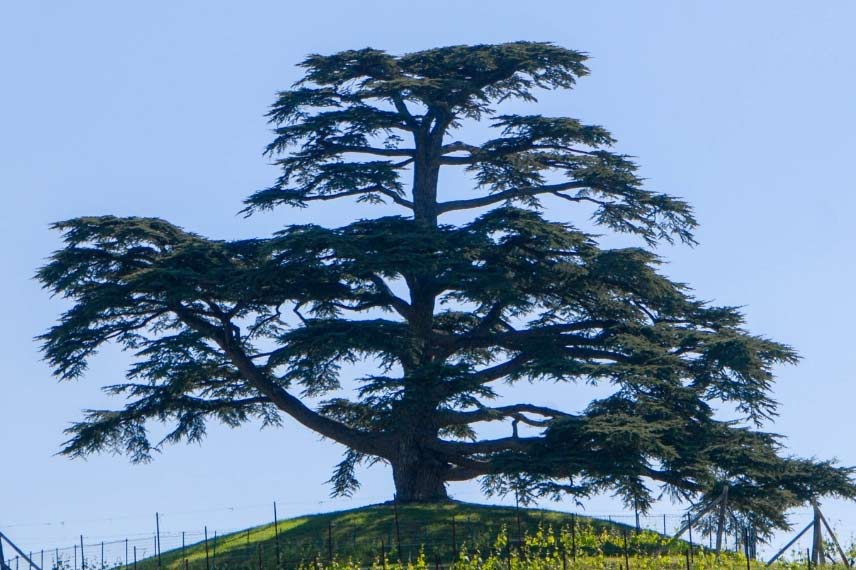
466,448
459,146
510,194
500,370
359,192
488,414
466,469
341,148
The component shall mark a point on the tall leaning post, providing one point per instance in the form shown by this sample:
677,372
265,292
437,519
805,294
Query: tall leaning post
21,554
817,556
834,538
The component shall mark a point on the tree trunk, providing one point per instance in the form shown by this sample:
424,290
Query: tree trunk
426,174
418,475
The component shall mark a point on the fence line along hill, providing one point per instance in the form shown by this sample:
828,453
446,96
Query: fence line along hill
440,532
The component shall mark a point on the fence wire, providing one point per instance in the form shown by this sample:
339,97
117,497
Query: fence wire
403,540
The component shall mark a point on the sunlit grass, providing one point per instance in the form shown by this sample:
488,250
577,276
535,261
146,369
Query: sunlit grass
466,536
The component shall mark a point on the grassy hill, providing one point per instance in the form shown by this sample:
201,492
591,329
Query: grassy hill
399,532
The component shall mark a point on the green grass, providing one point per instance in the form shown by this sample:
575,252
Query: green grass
361,534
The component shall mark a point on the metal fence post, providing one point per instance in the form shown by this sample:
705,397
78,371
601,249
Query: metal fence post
207,561
276,535
574,537
158,542
454,541
330,541
626,556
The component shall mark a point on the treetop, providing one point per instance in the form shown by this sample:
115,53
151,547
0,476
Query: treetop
360,119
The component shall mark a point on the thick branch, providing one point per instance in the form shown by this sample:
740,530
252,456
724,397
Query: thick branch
459,146
487,414
359,192
340,148
373,444
486,375
402,109
466,448
510,194
474,151
501,370
401,306
466,469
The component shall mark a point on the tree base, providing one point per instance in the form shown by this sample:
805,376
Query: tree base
419,483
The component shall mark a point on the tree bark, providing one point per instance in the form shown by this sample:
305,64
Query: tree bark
426,174
419,475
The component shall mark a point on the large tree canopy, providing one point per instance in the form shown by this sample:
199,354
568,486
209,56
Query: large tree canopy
395,335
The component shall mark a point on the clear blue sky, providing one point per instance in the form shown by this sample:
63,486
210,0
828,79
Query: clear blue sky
156,108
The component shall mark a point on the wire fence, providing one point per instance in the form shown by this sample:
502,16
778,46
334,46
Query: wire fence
400,537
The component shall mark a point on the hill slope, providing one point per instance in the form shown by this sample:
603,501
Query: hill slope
399,532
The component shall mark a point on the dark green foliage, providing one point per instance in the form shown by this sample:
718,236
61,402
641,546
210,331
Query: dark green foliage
438,317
